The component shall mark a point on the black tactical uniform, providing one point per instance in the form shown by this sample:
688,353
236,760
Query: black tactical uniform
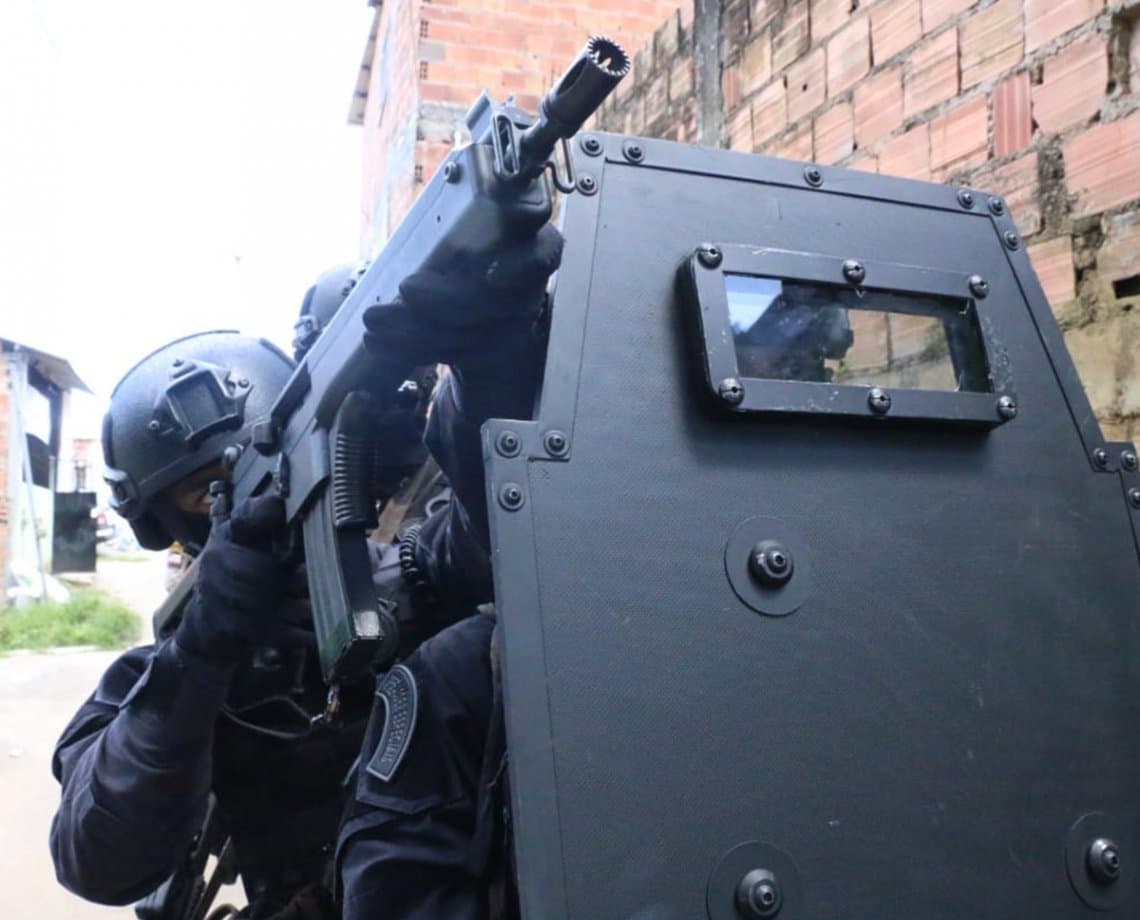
223,703
422,837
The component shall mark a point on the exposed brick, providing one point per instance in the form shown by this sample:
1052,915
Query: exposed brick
1016,182
1073,86
657,98
959,139
762,12
931,75
729,86
681,79
936,12
867,162
769,113
806,86
790,36
739,129
1134,57
756,63
895,26
1102,168
1013,120
878,106
1053,262
1119,254
835,134
1046,20
796,145
827,16
848,57
907,155
991,42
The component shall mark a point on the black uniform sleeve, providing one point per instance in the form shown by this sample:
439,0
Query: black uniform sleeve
135,766
453,551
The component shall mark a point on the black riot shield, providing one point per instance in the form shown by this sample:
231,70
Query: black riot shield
818,584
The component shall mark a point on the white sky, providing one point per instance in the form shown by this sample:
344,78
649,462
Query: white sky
167,168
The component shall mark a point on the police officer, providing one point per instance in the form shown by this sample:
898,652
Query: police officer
223,704
421,837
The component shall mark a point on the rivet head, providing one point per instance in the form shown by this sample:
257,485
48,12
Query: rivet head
1100,457
1007,408
879,401
1128,460
591,145
508,444
587,184
997,206
854,271
731,391
511,496
771,564
452,172
153,425
965,198
1134,497
556,443
979,287
1103,860
709,255
759,896
1012,240
813,176
633,151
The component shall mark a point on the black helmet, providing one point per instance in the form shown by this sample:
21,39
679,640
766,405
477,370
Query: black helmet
174,413
320,304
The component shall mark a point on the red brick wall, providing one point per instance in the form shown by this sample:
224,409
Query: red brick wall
434,57
1036,100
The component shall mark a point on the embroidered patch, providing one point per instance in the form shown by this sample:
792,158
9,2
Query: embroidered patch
398,691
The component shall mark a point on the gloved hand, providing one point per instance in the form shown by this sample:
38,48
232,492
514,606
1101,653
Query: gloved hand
240,586
454,315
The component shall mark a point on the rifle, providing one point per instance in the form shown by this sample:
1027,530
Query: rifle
316,447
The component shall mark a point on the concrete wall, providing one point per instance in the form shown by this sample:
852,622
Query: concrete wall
1036,100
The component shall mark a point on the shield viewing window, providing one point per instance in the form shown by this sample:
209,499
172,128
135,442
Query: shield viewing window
777,333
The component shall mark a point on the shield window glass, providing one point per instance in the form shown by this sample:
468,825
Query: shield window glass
824,333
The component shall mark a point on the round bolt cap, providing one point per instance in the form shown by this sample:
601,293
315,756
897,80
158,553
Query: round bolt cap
771,564
1103,861
591,145
1100,457
854,271
587,184
731,391
1128,460
633,151
1134,497
511,496
1007,407
979,287
1012,240
758,896
879,401
556,443
966,198
813,176
508,444
709,255
997,206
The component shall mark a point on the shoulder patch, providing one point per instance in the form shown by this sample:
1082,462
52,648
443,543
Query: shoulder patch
401,701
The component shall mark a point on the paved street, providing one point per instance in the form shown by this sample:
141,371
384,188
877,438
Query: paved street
38,694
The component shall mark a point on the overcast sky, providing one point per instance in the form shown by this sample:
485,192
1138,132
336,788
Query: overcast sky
169,168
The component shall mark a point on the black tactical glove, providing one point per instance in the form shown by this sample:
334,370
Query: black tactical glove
454,315
240,586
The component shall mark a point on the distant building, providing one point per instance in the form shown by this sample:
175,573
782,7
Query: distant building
38,456
424,64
